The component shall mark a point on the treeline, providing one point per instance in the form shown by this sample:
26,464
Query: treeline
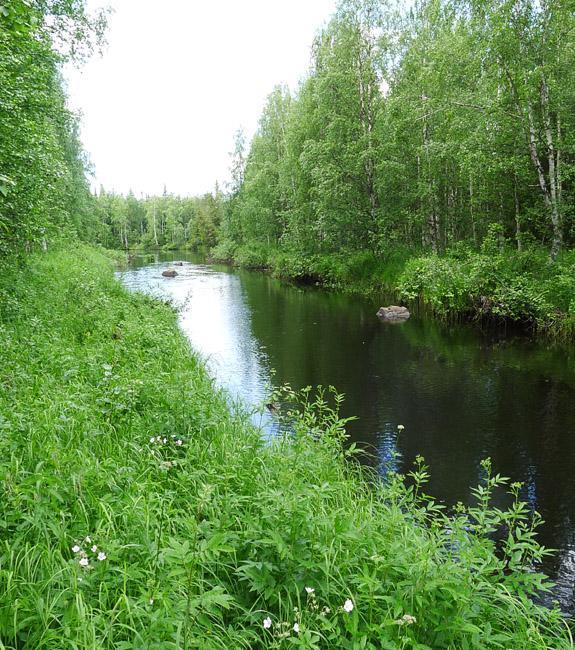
165,221
419,128
43,188
429,151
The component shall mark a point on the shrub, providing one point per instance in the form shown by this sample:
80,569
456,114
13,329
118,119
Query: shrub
498,282
252,256
224,251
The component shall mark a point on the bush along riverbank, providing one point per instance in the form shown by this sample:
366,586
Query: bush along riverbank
496,284
137,511
360,272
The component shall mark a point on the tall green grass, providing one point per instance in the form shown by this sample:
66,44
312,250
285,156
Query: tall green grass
112,436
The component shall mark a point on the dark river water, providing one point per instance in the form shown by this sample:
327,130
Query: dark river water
462,395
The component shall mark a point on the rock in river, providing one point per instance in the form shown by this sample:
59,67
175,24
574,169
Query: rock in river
169,273
393,313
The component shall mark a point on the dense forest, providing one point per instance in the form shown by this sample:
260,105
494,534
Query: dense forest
428,128
165,221
424,129
429,150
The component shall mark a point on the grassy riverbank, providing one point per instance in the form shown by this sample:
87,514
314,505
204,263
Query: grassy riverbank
137,511
496,283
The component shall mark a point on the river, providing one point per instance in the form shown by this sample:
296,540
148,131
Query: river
461,394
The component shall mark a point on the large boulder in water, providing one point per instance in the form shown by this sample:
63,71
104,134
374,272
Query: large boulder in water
393,313
169,273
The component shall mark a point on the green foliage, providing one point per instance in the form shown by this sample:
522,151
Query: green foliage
254,256
169,222
224,251
43,189
111,430
360,272
498,282
433,127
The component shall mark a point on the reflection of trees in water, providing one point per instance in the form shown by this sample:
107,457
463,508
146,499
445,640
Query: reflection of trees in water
388,454
308,336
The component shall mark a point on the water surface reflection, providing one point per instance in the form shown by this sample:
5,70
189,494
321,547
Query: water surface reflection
461,395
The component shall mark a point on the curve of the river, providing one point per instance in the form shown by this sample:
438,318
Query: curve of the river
461,395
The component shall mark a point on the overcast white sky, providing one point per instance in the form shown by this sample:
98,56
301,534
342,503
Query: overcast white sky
177,80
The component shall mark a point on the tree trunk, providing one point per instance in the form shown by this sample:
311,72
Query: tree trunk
154,225
549,197
432,226
472,212
558,168
554,203
548,190
517,218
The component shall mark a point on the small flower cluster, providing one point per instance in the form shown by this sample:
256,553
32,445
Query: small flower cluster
159,440
284,629
313,604
311,599
406,619
83,556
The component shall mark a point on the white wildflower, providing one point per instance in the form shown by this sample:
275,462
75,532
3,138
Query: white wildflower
165,440
101,556
179,442
151,601
348,606
88,540
310,590
152,439
406,619
400,427
76,548
296,628
94,548
267,623
84,561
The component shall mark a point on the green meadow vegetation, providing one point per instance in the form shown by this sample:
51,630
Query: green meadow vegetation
138,510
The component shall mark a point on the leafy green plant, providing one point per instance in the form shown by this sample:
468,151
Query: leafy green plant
498,283
224,251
